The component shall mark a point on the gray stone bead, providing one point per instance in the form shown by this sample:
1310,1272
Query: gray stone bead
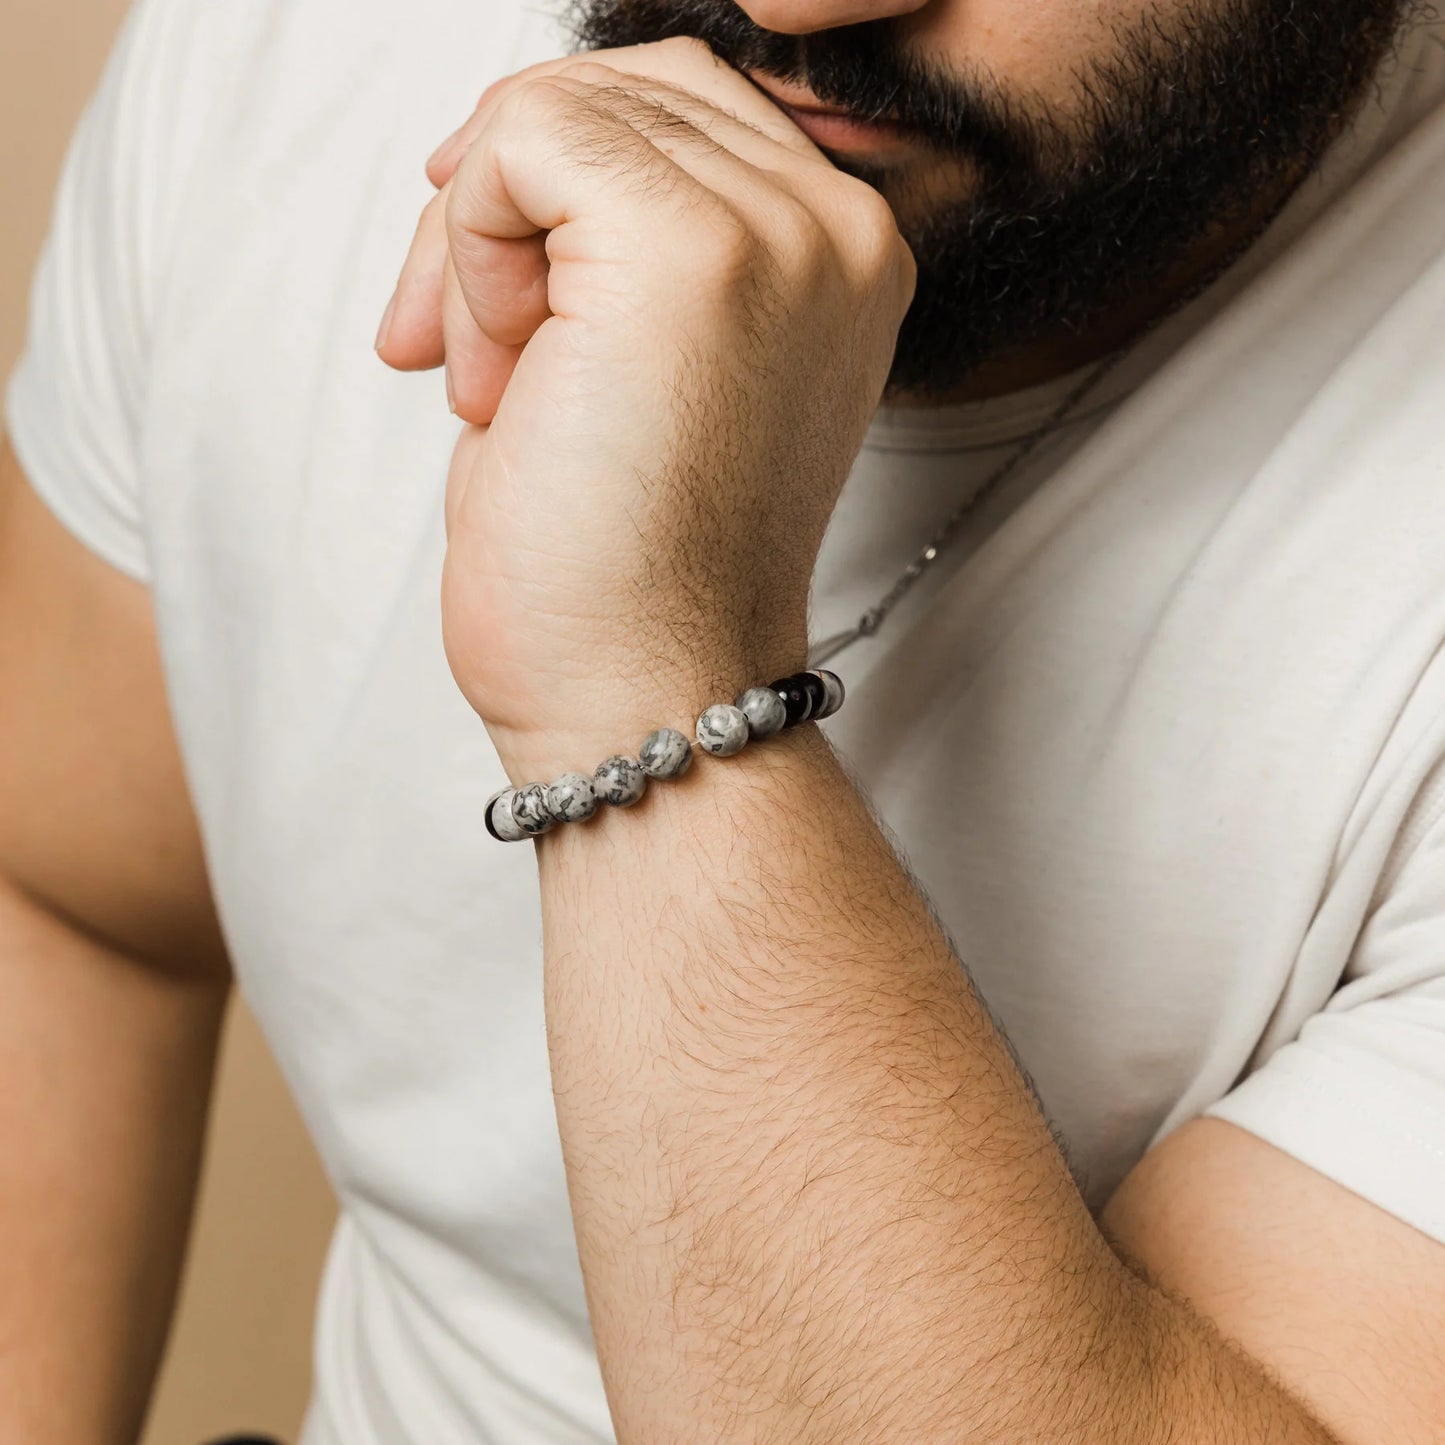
833,686
723,730
530,810
665,753
620,781
504,825
572,798
763,709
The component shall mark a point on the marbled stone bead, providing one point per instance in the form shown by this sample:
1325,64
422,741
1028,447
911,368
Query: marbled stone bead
763,709
572,798
498,817
797,697
833,690
723,730
530,810
665,753
620,781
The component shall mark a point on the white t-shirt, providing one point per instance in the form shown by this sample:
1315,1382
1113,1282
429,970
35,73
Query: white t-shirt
1162,735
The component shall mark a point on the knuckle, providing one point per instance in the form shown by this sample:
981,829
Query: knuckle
537,101
592,72
872,231
875,216
686,45
797,236
560,114
725,246
907,272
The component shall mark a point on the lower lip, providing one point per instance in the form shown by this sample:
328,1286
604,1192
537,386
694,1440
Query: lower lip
842,133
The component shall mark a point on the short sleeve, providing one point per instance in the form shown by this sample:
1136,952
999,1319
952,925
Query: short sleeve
73,405
1360,1094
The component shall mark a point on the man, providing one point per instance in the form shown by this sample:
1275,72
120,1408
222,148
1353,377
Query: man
1157,726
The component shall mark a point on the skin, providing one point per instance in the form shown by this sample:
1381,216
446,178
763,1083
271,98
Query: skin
115,978
814,1200
1050,220
113,983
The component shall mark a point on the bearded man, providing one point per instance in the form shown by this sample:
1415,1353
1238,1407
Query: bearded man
1043,1042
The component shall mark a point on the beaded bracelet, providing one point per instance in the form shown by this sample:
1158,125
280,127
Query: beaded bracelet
515,814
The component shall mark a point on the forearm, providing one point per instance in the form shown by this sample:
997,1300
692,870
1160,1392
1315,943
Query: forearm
105,1070
814,1199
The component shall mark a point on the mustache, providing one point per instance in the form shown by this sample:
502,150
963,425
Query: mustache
864,70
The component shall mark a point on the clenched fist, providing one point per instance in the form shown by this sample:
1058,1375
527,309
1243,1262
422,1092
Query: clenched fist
666,319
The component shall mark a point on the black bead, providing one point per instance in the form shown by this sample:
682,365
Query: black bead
487,822
802,696
796,700
817,691
829,708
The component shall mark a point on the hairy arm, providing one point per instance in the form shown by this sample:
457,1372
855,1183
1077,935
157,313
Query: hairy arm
815,1200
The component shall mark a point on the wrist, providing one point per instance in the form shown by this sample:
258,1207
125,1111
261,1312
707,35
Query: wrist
612,716
713,792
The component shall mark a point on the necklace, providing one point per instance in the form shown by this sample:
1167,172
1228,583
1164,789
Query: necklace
873,618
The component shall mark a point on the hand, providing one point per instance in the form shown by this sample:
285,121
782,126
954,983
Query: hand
667,320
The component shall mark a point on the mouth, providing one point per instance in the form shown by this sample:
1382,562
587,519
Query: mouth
830,127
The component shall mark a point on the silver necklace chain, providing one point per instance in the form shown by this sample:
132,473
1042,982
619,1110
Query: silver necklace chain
873,618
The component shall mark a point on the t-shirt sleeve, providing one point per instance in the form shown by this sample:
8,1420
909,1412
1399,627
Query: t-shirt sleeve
1360,1094
74,403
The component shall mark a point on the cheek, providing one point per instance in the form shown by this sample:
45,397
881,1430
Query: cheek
1033,48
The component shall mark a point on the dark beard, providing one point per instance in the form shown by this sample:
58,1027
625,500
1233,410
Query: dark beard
1200,122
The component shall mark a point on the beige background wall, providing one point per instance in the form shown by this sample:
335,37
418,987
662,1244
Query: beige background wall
240,1354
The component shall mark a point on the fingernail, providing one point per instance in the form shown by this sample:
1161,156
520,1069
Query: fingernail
384,330
451,399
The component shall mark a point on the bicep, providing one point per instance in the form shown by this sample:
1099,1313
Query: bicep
96,822
1342,1301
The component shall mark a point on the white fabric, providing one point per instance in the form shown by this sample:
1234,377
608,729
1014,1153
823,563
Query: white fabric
1161,737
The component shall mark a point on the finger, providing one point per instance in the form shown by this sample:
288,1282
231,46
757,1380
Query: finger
549,151
507,293
769,142
687,65
559,148
442,163
507,284
411,338
478,368
443,160
691,68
